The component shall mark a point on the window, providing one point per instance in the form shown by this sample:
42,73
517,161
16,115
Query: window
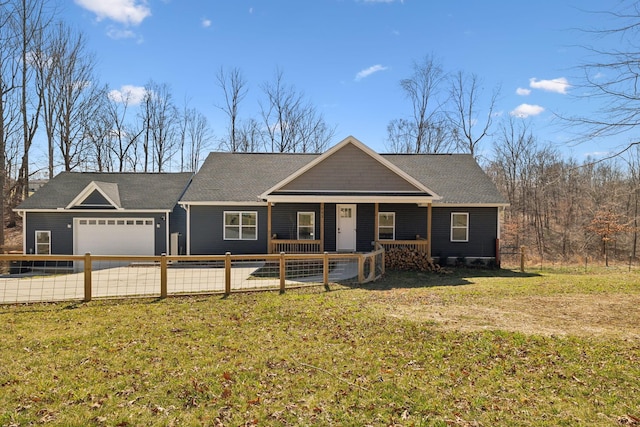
43,243
459,227
241,225
386,225
306,225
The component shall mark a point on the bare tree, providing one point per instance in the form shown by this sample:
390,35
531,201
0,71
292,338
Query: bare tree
69,92
234,89
199,137
122,135
426,128
8,106
292,123
194,138
250,136
160,118
29,21
610,76
471,124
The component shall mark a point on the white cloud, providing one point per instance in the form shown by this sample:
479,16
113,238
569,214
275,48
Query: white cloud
133,95
368,71
525,110
206,23
120,33
128,12
559,85
522,91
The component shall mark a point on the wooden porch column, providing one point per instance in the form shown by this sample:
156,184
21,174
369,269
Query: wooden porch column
321,226
429,215
375,222
269,227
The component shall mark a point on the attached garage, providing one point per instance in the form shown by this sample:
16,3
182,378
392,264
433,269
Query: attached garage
114,236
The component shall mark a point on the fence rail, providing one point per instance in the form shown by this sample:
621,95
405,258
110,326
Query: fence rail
49,278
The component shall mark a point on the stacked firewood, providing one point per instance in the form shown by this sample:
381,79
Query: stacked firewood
404,258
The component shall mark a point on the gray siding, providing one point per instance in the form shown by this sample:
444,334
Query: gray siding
178,224
207,231
285,219
365,227
350,169
62,235
95,198
411,220
483,228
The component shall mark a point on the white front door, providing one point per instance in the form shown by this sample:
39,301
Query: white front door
346,228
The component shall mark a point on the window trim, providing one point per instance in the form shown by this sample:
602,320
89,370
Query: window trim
458,227
313,224
393,214
240,225
48,233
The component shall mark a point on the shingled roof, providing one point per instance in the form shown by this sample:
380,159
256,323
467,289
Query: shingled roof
242,177
136,191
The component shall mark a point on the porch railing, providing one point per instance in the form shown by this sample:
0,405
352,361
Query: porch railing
295,246
419,245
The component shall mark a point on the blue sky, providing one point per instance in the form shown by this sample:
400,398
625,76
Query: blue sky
348,56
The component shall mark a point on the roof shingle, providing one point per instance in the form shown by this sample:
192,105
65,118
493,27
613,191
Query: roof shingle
153,191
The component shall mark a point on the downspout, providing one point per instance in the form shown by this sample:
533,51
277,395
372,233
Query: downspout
188,240
429,222
167,242
23,214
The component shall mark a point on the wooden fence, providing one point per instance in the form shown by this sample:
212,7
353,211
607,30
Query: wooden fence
41,278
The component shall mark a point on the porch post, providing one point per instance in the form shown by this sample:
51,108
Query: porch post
321,226
429,215
269,228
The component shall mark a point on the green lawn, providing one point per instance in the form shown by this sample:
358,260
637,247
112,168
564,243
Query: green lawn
474,347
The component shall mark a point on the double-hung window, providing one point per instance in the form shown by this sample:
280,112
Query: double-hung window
459,226
43,242
386,225
240,225
306,225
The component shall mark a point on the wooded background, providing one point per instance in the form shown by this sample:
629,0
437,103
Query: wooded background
560,208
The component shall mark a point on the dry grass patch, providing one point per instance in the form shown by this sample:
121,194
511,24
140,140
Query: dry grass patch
617,316
553,302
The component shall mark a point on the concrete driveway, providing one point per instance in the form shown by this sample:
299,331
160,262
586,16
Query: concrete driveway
144,280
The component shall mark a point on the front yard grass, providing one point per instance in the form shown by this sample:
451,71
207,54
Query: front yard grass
475,347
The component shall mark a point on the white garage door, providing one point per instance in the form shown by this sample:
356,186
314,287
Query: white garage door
108,236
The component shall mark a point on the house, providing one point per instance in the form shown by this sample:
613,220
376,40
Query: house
106,214
349,199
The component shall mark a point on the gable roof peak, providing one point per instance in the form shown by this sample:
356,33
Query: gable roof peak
358,145
108,190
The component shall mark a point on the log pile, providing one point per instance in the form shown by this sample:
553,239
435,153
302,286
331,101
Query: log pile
407,259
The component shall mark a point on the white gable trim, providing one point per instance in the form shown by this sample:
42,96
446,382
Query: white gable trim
366,150
89,189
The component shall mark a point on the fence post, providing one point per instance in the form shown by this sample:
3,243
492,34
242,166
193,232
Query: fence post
87,277
522,253
360,269
283,272
227,273
325,269
163,276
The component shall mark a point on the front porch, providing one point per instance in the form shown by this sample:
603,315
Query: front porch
404,219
